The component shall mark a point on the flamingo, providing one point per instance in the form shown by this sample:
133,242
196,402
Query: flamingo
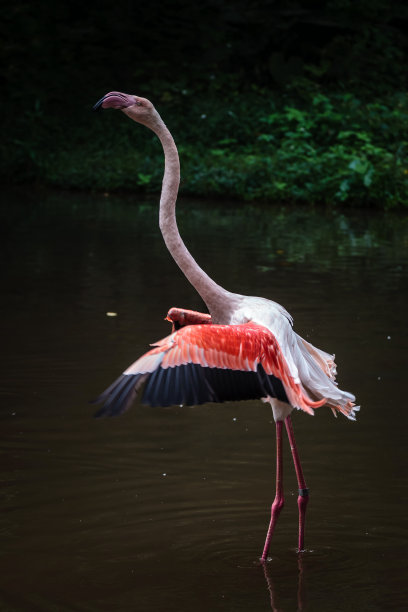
243,348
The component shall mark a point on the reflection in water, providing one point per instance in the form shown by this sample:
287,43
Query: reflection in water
300,592
273,591
94,512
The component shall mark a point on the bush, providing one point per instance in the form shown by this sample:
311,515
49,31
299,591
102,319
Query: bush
304,146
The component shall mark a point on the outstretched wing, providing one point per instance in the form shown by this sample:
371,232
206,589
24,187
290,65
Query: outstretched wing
208,363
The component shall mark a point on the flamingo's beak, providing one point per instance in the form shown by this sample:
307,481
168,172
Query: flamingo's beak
98,105
114,99
173,325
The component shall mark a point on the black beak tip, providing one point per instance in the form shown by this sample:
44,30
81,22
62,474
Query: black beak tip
98,105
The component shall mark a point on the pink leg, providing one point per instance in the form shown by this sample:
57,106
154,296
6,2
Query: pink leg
303,497
278,501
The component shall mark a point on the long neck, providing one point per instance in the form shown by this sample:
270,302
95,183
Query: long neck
216,298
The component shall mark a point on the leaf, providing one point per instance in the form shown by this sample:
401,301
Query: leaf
266,137
359,165
294,113
351,134
218,152
344,186
143,179
227,141
368,177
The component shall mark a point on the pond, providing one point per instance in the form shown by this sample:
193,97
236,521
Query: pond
167,508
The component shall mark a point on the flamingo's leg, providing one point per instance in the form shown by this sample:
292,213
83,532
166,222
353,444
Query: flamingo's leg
303,497
278,501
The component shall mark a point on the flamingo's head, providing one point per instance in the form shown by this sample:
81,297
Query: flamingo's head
139,109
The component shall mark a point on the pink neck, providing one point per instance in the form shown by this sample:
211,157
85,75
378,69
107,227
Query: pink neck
215,297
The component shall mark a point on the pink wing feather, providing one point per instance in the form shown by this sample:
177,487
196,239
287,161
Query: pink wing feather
232,348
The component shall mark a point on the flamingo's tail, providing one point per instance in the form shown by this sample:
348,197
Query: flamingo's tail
317,372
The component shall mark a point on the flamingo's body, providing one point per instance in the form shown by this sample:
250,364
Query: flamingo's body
244,349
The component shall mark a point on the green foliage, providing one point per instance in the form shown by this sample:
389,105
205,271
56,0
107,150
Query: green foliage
281,100
323,148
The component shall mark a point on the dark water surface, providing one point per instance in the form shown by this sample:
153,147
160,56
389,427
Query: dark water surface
167,509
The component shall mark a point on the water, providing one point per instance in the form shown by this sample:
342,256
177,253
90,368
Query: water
167,508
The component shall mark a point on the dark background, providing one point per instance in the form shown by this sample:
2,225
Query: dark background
69,50
234,62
